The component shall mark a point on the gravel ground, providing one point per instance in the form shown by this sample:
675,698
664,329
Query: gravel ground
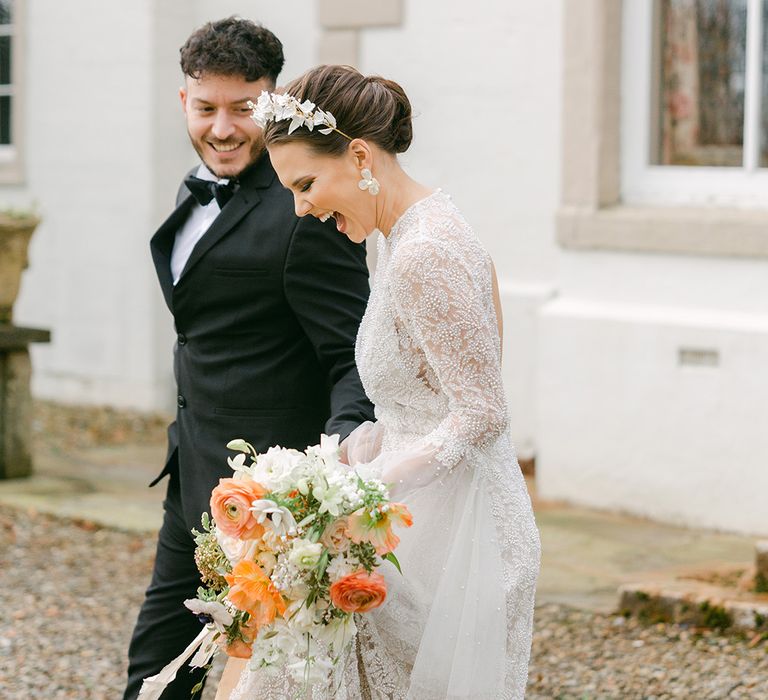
578,655
69,593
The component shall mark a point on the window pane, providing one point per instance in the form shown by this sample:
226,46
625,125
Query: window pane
5,60
764,129
701,82
5,120
5,11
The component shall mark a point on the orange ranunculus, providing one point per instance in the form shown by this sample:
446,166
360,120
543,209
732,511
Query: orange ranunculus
378,530
251,590
230,507
359,592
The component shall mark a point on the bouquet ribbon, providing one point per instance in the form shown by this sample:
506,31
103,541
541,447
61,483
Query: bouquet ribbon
153,686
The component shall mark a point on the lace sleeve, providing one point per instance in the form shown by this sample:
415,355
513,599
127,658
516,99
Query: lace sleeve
442,294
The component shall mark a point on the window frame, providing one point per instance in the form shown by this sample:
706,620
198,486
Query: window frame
592,214
11,170
644,183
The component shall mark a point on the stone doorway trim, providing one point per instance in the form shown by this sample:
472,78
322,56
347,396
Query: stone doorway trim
342,22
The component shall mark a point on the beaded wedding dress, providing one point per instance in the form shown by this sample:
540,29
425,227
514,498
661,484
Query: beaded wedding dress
457,623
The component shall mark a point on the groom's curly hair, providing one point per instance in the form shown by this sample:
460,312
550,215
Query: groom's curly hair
233,46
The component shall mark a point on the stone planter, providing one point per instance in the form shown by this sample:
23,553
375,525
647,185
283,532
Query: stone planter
15,233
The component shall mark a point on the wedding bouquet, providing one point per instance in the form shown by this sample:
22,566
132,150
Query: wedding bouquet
289,557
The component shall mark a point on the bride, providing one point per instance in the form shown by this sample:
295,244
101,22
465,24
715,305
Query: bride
457,623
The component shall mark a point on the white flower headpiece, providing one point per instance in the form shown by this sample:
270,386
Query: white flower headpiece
272,106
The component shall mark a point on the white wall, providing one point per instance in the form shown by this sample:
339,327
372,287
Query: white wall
87,149
622,422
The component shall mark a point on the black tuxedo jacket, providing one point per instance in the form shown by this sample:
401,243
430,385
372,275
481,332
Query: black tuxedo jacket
266,312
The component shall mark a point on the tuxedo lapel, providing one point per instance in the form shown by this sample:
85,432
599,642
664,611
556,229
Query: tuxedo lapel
161,246
260,176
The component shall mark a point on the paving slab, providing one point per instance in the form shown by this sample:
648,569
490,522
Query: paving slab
105,485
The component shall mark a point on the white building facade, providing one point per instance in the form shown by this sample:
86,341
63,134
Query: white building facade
635,291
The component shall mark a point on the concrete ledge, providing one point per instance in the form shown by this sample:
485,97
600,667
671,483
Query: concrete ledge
355,14
17,338
681,230
700,605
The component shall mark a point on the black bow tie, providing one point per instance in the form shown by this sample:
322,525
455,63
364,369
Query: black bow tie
206,190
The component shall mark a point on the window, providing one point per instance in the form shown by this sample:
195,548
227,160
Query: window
695,102
614,196
6,82
11,126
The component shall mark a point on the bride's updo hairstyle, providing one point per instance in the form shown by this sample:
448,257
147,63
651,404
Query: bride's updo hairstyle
370,108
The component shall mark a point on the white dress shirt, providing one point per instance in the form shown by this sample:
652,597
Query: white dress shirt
194,228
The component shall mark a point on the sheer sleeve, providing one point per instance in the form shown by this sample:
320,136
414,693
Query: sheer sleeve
442,295
363,444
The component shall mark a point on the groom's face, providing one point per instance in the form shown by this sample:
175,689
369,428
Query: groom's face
219,121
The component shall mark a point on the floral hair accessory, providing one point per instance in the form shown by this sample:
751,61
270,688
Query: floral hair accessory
272,106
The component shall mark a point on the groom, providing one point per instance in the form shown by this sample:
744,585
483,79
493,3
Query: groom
266,308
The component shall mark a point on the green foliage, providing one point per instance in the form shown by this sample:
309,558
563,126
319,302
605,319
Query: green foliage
390,556
365,554
714,616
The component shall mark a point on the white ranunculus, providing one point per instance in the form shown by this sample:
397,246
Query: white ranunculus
275,469
305,554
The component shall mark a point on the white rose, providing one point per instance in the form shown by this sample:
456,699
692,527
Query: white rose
305,554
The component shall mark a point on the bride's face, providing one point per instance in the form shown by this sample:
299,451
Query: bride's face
325,186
